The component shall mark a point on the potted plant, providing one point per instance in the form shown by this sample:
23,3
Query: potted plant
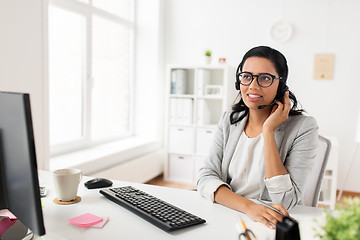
342,223
208,56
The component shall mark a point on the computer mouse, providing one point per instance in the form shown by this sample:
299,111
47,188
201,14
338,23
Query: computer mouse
98,183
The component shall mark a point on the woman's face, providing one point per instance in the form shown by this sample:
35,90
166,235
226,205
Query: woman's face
254,95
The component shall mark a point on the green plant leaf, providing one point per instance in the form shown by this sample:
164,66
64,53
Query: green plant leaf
342,224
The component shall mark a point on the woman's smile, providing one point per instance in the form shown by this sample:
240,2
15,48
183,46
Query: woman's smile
253,97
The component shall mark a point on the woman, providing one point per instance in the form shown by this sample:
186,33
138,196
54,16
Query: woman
264,148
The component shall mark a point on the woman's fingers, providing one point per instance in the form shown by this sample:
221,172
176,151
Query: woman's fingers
283,109
272,218
267,216
275,217
269,220
264,221
281,208
287,103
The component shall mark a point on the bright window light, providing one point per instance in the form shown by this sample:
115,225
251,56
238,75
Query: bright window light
66,75
90,72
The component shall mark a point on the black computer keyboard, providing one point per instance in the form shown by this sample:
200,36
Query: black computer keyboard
152,209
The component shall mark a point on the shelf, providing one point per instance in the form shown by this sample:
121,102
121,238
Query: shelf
206,126
193,125
198,66
197,96
210,97
182,96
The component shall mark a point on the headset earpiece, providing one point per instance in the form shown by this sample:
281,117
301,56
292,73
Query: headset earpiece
237,82
281,91
237,85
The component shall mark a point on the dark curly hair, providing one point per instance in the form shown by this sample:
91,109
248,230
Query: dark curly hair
281,68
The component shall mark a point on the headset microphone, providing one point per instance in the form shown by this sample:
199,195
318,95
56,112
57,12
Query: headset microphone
264,106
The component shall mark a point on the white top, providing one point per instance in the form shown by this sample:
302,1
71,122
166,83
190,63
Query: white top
246,167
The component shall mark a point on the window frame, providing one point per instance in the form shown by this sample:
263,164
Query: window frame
88,11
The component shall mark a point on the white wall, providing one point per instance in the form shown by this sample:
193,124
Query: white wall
22,64
231,27
149,85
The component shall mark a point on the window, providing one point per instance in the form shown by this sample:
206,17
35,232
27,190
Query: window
90,72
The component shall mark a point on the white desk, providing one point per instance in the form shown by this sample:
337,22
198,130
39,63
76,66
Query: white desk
123,224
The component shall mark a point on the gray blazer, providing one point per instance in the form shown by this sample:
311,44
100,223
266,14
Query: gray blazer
296,139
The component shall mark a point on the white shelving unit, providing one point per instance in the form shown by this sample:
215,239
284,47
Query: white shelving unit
327,196
196,97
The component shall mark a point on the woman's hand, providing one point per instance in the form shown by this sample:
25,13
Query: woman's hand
279,114
268,217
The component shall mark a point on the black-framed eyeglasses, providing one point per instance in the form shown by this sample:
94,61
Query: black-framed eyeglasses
263,79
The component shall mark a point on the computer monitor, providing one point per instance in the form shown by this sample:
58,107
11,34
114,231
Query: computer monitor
19,187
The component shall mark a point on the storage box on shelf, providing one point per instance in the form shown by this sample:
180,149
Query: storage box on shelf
196,97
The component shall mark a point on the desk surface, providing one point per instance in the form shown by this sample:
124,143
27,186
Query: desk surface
122,224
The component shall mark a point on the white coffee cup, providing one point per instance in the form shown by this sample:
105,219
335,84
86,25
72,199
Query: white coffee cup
66,183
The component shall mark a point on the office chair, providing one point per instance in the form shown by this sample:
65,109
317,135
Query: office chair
313,183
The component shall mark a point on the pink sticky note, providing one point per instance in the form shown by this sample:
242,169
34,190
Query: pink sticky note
5,224
100,224
7,213
85,220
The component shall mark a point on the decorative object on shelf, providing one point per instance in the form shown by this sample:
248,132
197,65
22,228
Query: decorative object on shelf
342,224
208,56
281,31
222,60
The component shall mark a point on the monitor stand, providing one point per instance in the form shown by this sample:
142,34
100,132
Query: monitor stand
14,230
